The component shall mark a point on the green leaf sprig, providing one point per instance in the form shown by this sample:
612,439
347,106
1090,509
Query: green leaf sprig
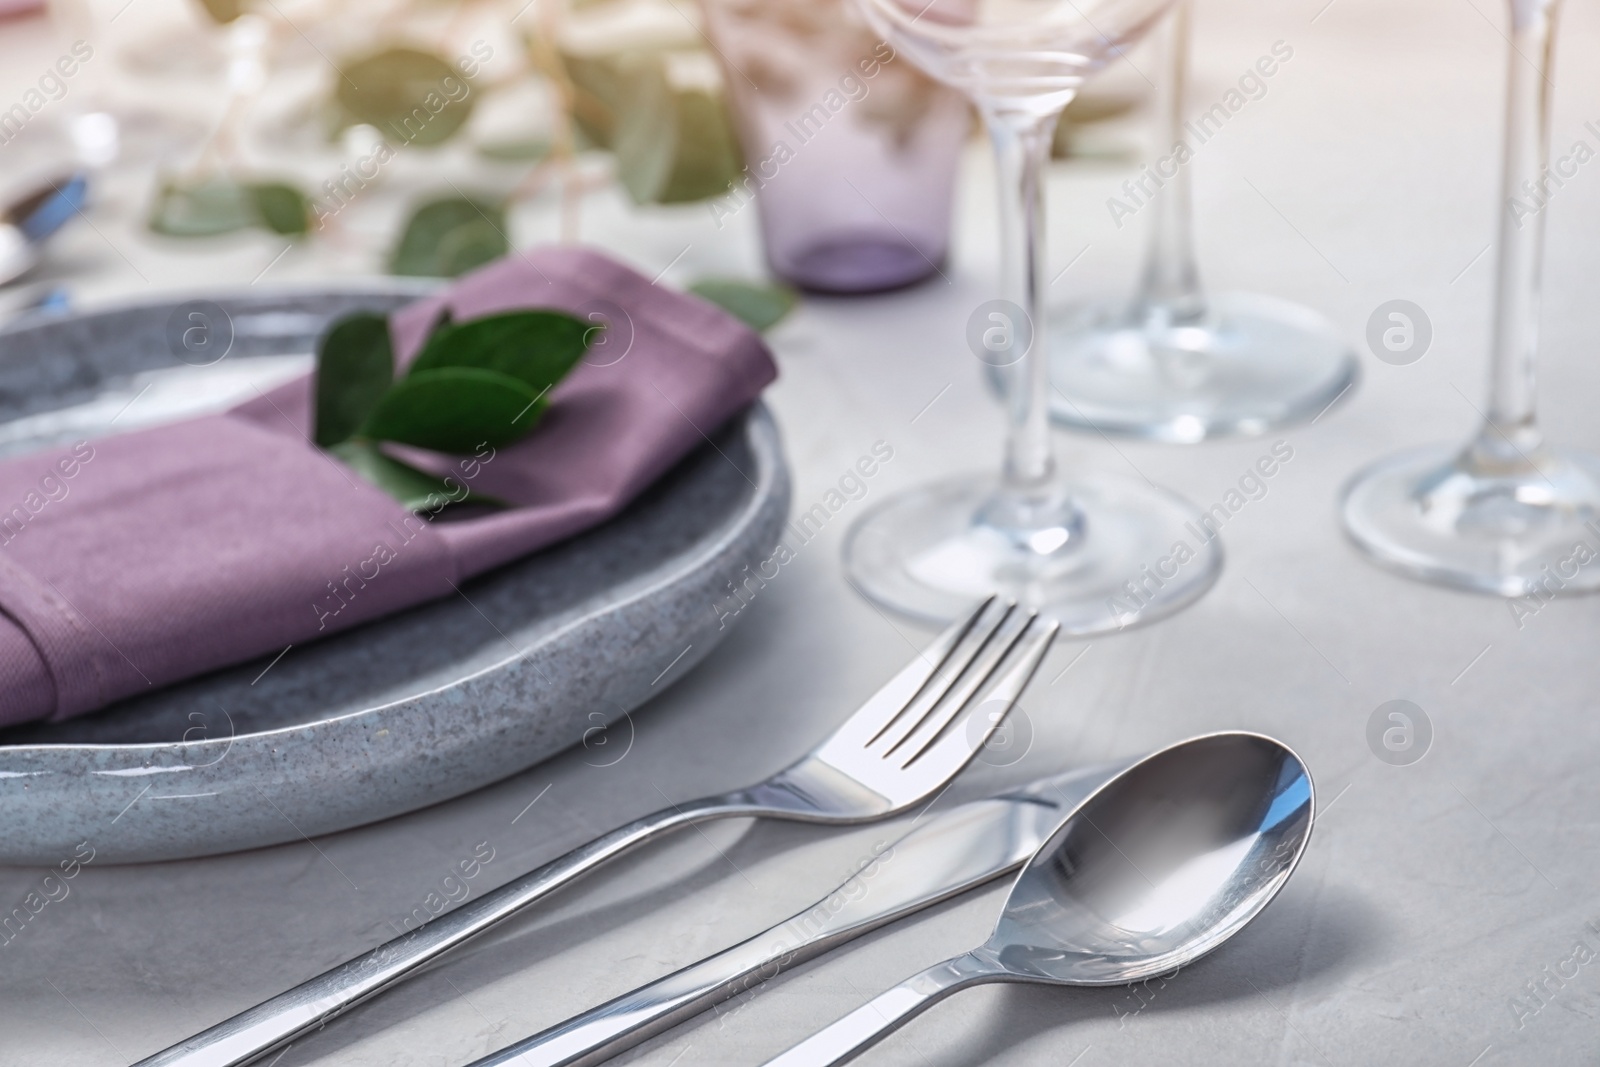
400,92
218,204
481,383
760,307
673,139
447,237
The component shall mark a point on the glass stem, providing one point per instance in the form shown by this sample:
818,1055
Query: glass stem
1169,291
1022,147
1511,433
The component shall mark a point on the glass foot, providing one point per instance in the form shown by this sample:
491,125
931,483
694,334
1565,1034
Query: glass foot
1440,515
1248,364
848,264
1114,553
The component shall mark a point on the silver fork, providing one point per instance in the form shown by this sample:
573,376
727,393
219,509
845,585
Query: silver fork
900,747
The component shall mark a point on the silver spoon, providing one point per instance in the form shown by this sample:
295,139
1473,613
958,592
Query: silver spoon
1159,866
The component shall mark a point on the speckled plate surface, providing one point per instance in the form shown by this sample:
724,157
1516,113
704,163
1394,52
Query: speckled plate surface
393,716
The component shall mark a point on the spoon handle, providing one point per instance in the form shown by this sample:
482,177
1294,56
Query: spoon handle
878,1018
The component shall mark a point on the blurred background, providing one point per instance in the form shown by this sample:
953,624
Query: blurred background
269,139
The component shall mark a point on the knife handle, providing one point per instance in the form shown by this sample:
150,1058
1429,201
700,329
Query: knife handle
603,1032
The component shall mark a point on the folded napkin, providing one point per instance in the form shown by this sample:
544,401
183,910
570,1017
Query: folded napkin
139,560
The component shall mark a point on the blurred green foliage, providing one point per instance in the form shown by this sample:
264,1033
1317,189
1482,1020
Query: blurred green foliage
218,204
450,236
406,94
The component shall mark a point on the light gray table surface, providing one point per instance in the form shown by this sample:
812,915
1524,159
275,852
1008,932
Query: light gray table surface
1432,895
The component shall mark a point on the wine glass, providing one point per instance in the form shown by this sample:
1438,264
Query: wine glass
1507,514
1097,553
1173,363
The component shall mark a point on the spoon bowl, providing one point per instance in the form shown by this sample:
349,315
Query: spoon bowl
1160,866
1156,868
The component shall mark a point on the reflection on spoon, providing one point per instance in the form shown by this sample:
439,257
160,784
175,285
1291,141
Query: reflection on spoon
1161,865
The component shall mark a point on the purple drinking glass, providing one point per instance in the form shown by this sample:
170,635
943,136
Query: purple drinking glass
850,151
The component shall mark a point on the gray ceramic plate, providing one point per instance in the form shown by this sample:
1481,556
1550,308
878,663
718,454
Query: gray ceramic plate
398,714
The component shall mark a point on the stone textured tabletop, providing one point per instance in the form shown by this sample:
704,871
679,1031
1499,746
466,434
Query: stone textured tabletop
1446,913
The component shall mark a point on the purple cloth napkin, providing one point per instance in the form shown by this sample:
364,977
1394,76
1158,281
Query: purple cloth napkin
139,560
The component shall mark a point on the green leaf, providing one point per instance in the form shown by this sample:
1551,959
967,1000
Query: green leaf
218,205
203,209
536,347
406,93
355,367
281,207
515,150
468,246
224,10
455,409
416,490
708,157
448,237
673,144
599,83
760,306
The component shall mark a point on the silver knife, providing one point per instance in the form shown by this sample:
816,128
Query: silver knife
963,848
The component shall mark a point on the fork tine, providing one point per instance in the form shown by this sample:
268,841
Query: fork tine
949,705
888,702
960,659
947,754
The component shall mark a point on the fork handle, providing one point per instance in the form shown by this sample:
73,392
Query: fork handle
270,1025
887,1012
